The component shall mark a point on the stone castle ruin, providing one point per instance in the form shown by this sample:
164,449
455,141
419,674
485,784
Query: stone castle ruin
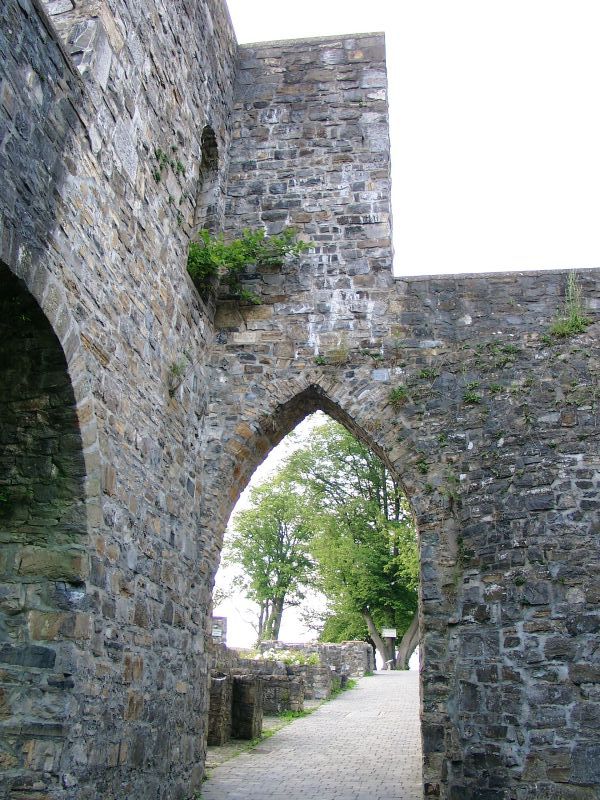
125,127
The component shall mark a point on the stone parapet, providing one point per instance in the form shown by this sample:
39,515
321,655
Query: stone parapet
318,681
354,659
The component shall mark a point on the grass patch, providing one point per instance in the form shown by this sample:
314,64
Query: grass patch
573,319
252,743
290,716
350,684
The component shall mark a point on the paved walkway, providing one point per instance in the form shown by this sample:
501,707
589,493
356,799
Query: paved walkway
364,745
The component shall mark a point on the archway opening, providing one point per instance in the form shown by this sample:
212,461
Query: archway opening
336,530
44,563
322,511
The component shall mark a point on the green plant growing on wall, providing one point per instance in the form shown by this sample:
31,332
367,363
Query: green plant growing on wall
374,354
572,320
211,258
397,397
422,465
428,373
451,490
471,396
163,161
177,371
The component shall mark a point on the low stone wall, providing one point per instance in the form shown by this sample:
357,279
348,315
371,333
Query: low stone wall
221,657
261,667
348,658
353,659
283,693
242,689
318,680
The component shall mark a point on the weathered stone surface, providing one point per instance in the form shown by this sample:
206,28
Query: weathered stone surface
318,680
104,510
493,441
346,658
219,711
247,706
282,693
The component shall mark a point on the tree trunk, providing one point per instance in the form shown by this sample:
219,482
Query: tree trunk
408,643
274,622
261,620
373,648
383,648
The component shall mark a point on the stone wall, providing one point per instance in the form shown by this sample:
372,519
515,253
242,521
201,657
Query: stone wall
492,429
318,681
45,624
247,707
495,443
347,658
283,693
100,177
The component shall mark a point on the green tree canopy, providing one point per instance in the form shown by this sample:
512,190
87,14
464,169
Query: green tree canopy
364,539
336,516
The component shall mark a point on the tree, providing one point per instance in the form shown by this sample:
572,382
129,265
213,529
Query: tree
270,542
364,539
334,504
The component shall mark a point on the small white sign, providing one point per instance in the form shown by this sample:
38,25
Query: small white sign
388,633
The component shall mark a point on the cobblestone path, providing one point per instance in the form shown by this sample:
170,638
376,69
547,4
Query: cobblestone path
364,745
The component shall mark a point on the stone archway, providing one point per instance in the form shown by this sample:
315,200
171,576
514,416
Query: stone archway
247,443
286,416
45,621
488,431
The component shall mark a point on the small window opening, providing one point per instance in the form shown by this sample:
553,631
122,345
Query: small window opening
207,210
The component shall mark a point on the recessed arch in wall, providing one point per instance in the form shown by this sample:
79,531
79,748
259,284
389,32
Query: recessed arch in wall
44,567
207,214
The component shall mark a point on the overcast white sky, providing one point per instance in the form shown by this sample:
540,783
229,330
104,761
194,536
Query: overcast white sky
495,123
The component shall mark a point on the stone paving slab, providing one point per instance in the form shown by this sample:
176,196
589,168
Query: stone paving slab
364,745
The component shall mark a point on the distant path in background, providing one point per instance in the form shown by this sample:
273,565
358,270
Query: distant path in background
364,745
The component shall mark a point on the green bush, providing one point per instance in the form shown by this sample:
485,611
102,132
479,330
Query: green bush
211,259
292,657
